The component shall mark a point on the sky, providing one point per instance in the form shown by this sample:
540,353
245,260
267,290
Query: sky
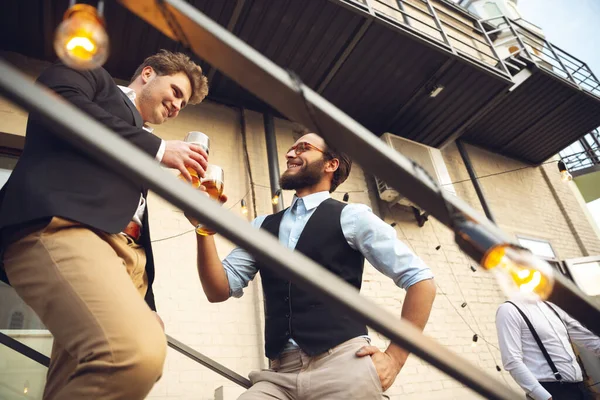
572,25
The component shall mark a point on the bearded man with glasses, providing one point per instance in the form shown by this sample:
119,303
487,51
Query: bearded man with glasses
316,351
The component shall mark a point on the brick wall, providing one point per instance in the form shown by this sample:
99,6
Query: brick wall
532,202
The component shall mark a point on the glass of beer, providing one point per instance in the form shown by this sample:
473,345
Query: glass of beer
202,140
213,182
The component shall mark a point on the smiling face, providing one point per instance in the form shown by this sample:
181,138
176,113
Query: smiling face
161,97
308,168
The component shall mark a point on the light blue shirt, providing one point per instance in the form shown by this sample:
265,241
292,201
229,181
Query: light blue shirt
363,230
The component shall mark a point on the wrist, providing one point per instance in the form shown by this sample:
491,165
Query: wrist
202,231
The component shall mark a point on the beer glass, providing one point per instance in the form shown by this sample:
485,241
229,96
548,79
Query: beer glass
202,140
213,182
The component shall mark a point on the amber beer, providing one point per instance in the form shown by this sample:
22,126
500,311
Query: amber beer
213,183
202,140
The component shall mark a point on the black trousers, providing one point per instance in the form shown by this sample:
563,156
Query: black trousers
567,391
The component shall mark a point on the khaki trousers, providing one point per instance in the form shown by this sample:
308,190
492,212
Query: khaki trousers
87,287
335,375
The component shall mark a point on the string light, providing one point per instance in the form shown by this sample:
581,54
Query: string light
346,197
275,199
26,387
244,207
475,339
473,268
463,305
565,175
81,41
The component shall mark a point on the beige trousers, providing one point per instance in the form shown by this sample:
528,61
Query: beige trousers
87,287
335,375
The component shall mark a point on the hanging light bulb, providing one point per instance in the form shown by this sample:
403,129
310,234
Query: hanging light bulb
244,207
565,175
81,41
519,273
275,199
26,387
475,339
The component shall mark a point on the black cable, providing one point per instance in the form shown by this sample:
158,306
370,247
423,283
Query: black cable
454,307
500,173
193,229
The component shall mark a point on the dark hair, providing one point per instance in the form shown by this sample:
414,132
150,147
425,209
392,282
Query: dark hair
168,63
344,167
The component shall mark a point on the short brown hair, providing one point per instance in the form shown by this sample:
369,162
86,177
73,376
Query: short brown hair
344,167
168,63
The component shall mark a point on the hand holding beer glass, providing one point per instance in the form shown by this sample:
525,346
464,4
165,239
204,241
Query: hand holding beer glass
213,184
202,140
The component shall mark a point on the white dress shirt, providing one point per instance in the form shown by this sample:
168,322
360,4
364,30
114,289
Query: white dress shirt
139,213
521,355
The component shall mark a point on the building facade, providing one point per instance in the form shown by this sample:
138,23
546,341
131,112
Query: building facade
529,202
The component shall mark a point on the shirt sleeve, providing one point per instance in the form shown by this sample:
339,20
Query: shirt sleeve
240,266
161,151
508,326
377,241
578,333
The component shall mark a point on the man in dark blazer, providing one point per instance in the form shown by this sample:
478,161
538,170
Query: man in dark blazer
75,235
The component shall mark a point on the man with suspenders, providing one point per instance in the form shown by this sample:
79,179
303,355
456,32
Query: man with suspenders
535,343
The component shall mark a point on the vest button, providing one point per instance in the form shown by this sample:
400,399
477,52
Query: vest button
286,298
287,315
287,333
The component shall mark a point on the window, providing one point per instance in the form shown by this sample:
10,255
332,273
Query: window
7,164
491,10
543,249
586,274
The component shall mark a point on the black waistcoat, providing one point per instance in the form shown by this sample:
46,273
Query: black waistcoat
291,312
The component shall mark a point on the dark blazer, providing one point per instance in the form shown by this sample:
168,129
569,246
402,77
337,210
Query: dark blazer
53,178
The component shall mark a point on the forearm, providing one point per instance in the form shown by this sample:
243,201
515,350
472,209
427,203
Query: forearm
526,380
212,274
415,309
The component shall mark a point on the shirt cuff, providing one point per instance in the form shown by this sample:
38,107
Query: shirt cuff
539,393
161,151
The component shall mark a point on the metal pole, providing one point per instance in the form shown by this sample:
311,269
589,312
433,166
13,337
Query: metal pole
438,23
24,350
494,52
560,62
120,155
208,362
474,179
273,162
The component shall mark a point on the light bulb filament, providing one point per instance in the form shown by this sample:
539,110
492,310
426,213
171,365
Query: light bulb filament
83,42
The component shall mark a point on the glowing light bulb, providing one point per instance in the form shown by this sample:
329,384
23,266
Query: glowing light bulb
475,338
275,199
81,41
244,207
519,273
565,175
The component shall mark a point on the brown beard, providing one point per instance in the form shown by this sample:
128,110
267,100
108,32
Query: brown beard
309,175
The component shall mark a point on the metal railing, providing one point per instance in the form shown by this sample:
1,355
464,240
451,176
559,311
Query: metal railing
474,234
458,31
533,46
584,153
173,343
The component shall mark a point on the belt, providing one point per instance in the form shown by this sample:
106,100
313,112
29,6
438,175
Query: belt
133,230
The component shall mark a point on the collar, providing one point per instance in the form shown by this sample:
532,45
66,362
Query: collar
311,201
131,95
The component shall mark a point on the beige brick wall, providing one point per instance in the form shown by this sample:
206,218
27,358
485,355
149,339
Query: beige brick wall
524,202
